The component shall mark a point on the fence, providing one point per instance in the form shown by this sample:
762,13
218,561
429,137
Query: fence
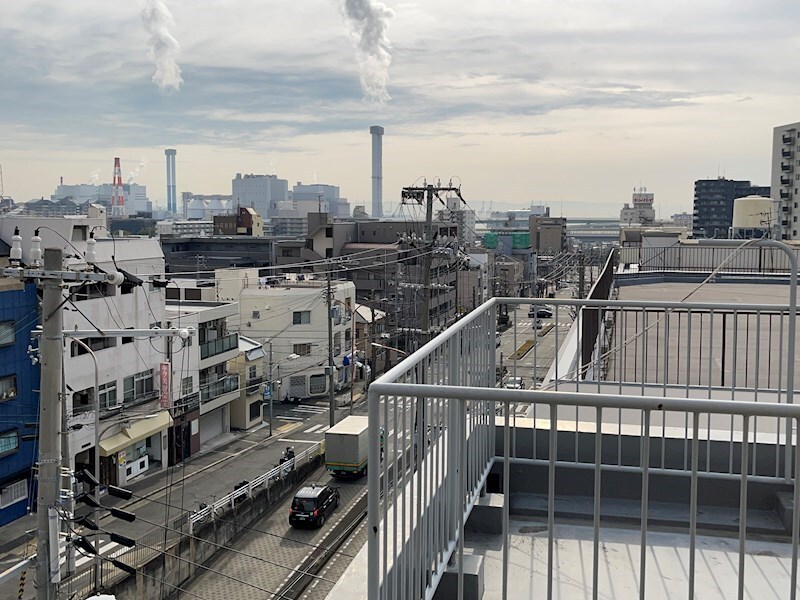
158,541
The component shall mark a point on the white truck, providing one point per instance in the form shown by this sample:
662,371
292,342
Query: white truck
346,447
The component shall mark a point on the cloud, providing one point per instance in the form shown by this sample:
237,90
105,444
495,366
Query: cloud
367,22
162,47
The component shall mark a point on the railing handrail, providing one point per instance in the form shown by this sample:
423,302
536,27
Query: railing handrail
230,498
583,399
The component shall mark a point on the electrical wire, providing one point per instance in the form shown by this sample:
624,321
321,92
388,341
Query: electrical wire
239,552
260,531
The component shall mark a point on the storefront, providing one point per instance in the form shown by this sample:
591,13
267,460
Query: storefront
137,449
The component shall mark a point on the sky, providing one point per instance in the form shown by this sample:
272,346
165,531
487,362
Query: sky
570,103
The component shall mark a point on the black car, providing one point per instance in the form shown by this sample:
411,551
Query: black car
312,505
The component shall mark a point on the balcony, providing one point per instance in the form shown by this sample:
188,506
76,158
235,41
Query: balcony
785,195
787,167
218,346
787,139
785,153
658,420
786,181
210,391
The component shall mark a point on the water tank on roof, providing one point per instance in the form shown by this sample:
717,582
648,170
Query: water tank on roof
754,212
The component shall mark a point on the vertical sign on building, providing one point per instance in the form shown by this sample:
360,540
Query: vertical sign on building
165,391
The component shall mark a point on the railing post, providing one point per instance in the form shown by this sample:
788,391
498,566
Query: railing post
373,494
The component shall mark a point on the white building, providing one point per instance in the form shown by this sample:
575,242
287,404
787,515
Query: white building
262,192
291,317
640,211
320,197
456,212
133,427
683,219
785,180
203,384
185,228
133,194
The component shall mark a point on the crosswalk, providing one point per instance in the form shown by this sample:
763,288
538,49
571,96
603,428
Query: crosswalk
302,412
317,429
107,549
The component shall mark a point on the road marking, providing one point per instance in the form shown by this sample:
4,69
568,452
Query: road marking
311,409
313,429
298,441
284,429
288,418
324,429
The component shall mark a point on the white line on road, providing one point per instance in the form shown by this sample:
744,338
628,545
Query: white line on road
313,429
288,418
311,409
298,441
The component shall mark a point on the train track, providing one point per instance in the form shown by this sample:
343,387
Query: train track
315,561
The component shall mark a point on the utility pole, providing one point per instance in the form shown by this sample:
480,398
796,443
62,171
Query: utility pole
52,347
271,384
427,194
581,275
331,393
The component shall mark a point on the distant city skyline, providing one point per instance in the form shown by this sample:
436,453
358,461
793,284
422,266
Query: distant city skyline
531,104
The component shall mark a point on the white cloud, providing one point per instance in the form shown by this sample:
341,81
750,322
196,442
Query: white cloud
488,86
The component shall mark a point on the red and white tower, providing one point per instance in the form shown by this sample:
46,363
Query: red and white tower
117,202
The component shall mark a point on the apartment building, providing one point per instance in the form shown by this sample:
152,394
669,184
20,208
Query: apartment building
290,314
786,177
713,204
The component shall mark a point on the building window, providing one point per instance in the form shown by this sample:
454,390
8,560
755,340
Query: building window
9,442
137,386
302,349
252,371
301,317
255,410
193,294
6,333
8,387
13,493
316,384
107,393
97,343
329,232
187,384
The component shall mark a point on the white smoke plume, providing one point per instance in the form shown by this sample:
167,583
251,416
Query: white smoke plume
135,173
367,22
94,177
162,47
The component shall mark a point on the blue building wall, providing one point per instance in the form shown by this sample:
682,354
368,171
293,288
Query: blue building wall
19,306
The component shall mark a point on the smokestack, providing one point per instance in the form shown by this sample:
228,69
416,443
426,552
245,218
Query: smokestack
172,202
117,203
377,171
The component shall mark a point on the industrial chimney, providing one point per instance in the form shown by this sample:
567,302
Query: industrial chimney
117,202
172,203
377,171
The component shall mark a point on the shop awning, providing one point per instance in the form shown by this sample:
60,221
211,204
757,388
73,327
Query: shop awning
138,431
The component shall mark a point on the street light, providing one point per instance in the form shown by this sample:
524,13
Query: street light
86,347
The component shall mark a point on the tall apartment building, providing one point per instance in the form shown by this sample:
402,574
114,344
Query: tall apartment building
713,204
786,176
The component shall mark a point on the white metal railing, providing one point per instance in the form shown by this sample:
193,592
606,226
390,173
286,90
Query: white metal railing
276,473
438,409
437,455
391,575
